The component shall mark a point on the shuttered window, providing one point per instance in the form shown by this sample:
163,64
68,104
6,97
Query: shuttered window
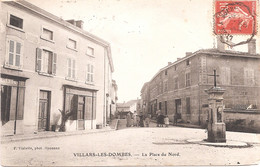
71,68
90,73
187,79
249,77
46,61
14,54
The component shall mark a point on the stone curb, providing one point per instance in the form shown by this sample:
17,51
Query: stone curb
228,144
57,134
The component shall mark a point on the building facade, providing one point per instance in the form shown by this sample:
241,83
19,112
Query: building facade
179,88
48,65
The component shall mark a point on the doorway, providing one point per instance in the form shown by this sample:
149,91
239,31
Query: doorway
44,111
178,108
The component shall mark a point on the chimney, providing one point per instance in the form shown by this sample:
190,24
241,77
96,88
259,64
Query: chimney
169,63
252,47
220,45
188,53
78,23
178,59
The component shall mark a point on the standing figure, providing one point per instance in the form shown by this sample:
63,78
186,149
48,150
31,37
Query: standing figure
166,121
158,113
128,120
147,120
135,118
161,120
141,123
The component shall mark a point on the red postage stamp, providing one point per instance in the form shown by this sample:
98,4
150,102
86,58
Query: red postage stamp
235,17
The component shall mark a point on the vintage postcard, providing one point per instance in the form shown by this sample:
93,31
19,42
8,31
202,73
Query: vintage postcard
130,83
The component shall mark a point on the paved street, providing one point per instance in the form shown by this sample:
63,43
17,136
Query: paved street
131,146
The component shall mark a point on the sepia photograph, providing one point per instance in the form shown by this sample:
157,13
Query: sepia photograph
130,83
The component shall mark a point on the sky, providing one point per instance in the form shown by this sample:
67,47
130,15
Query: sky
144,34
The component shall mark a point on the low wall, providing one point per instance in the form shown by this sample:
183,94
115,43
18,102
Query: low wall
242,120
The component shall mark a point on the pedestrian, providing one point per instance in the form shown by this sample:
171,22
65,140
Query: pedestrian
160,120
147,120
166,121
141,123
135,118
128,119
158,112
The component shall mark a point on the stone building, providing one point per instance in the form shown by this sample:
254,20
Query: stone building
47,65
179,87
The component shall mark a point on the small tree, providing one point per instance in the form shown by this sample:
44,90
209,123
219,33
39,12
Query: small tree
64,118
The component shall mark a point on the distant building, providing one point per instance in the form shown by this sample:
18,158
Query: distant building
130,106
49,64
179,87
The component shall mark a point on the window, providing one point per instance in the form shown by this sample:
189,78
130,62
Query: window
249,77
187,78
72,44
90,74
160,105
14,54
46,61
165,72
225,75
71,68
90,51
165,84
188,62
176,84
12,100
47,34
16,22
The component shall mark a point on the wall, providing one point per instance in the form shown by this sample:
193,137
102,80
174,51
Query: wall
242,120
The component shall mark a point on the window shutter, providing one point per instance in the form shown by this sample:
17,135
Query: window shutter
38,59
54,63
69,67
11,52
86,74
73,69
